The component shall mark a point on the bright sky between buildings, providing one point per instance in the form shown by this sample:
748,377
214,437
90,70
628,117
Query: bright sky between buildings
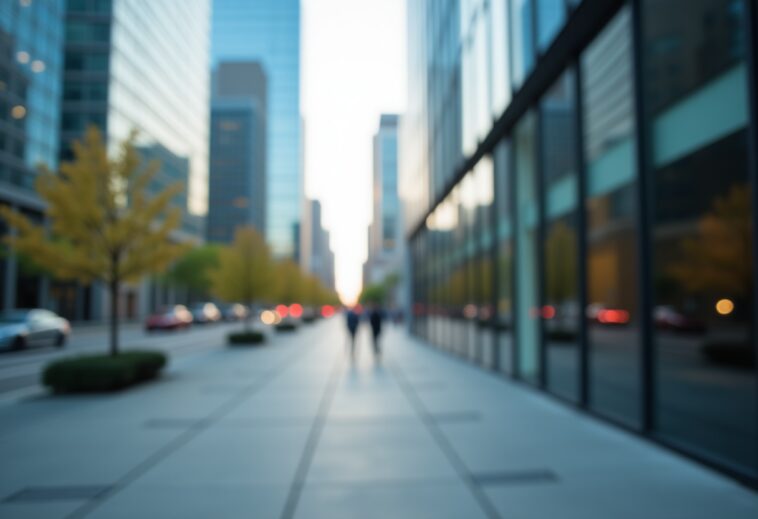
354,69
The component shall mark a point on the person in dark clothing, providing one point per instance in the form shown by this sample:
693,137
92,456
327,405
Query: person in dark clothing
375,319
352,327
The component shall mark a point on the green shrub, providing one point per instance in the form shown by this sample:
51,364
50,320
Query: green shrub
252,337
286,327
89,373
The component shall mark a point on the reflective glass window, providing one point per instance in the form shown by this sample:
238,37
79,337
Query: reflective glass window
610,179
522,43
504,215
551,15
561,312
527,224
501,63
695,88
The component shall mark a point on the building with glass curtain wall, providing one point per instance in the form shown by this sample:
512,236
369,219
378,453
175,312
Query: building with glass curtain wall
135,65
585,220
237,181
385,232
268,31
31,65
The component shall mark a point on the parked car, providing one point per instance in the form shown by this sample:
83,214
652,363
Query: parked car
20,329
204,313
234,312
169,318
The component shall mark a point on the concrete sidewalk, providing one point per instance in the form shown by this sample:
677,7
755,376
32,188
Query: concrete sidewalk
296,429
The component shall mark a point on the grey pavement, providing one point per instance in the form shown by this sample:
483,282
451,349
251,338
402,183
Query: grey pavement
298,429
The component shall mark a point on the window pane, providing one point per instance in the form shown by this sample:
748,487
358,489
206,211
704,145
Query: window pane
610,176
501,64
527,311
551,15
702,238
561,312
504,256
522,44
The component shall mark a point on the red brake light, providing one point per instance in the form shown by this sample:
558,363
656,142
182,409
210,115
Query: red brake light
296,310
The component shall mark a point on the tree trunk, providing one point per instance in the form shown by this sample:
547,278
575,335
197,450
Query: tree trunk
248,317
114,286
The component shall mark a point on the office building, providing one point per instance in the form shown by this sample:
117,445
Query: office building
317,257
237,190
385,238
135,65
586,219
31,65
268,31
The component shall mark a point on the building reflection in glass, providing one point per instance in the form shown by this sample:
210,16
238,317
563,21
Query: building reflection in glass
610,176
702,236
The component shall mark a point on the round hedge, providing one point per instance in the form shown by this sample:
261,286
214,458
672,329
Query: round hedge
246,338
92,373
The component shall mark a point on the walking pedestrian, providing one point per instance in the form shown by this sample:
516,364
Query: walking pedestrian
352,320
376,315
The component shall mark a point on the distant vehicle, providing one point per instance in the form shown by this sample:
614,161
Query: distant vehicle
169,318
667,317
234,312
204,313
21,329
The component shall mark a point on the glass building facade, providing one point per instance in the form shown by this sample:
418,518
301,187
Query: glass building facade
580,178
237,187
144,66
31,66
384,232
268,31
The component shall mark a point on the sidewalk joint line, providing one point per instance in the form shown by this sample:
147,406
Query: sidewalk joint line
186,436
298,482
444,444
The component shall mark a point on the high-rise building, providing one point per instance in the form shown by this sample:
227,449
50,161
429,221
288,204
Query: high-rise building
582,178
237,190
31,65
385,231
317,256
268,31
135,65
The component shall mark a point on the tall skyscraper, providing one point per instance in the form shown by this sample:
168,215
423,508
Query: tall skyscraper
136,65
31,64
237,195
385,231
268,31
317,256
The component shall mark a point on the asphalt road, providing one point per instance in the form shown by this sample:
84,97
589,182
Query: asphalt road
22,369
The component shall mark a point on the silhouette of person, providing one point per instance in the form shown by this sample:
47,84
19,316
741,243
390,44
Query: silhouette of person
352,320
375,319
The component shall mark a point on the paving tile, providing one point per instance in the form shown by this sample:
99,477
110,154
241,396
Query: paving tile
194,502
382,451
234,456
49,510
419,500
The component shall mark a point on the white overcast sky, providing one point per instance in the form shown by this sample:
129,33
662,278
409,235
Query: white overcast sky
353,69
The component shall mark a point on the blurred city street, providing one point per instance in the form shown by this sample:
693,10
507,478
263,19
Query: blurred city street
298,429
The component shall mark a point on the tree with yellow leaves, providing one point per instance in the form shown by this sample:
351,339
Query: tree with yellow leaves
718,258
245,270
103,224
289,281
